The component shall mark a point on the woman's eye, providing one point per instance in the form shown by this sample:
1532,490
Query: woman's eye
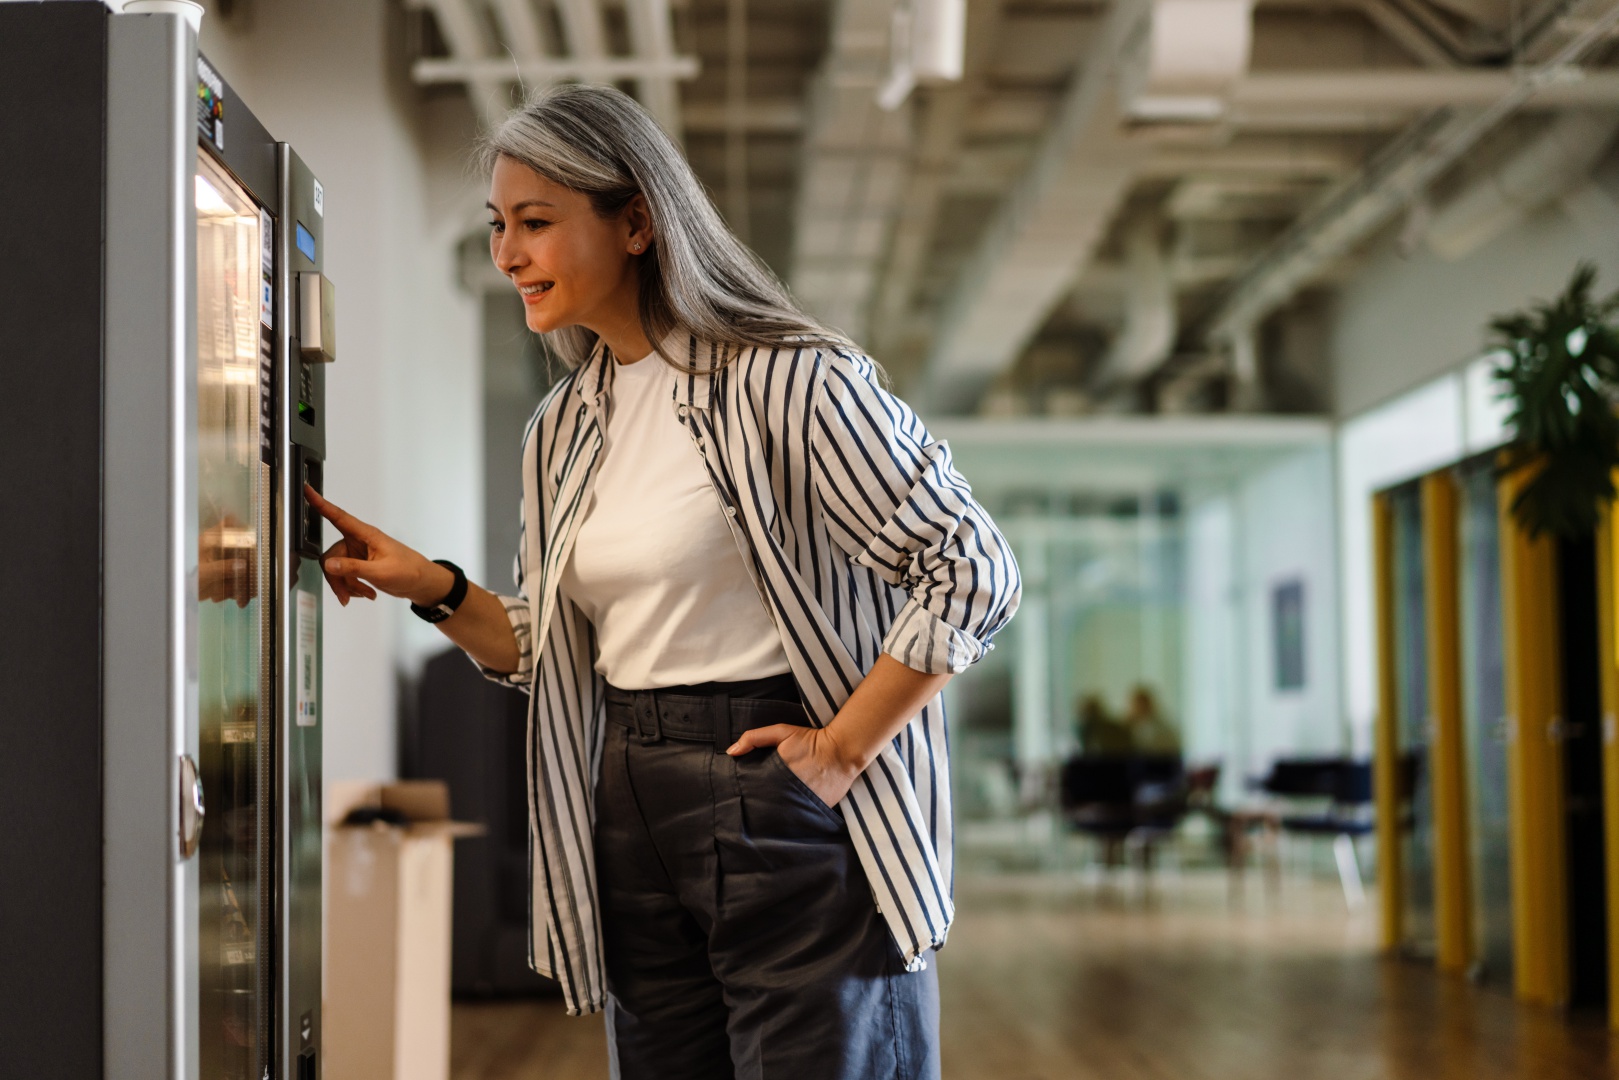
498,226
535,224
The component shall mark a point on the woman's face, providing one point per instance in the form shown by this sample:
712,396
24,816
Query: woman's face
571,266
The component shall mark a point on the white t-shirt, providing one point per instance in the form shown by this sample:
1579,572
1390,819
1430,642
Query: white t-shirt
655,566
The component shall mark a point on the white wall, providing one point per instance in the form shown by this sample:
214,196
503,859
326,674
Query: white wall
1411,386
1274,526
1405,319
1436,424
404,397
1215,681
1287,523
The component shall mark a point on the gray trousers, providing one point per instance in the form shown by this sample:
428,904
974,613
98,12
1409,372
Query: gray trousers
742,940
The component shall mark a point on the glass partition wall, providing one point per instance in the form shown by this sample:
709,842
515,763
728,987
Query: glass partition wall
1409,603
1100,627
1484,721
235,671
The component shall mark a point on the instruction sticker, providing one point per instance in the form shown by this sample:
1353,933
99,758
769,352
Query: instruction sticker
210,105
308,658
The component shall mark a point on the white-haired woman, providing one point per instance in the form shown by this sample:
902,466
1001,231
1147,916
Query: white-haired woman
745,573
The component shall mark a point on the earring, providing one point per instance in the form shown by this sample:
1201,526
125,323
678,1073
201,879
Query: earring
636,246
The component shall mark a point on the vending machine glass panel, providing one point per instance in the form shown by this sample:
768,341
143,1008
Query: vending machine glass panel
234,631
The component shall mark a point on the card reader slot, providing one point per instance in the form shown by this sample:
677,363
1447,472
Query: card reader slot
307,536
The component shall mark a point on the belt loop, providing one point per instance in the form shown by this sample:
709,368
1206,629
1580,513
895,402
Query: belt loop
646,704
722,722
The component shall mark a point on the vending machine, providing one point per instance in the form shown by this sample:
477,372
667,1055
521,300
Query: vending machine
168,329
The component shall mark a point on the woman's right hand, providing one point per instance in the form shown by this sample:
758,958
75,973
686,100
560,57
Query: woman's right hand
367,559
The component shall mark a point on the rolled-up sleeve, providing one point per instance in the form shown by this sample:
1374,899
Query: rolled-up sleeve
894,502
518,612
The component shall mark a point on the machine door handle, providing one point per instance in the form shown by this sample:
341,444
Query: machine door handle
192,809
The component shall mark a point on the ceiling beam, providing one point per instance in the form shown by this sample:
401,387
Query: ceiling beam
1279,93
555,69
758,117
1046,228
521,26
582,26
469,44
652,39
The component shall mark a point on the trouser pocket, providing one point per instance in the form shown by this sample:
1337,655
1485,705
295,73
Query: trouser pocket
795,782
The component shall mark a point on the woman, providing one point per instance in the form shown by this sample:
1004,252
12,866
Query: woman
745,573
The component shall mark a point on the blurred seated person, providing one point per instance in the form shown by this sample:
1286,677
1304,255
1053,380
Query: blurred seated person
1149,732
1100,732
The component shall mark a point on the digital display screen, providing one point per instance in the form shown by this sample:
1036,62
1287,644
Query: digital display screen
306,242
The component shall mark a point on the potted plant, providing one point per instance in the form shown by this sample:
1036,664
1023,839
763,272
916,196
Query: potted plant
1560,369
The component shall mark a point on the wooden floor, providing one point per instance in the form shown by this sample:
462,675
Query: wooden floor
1066,978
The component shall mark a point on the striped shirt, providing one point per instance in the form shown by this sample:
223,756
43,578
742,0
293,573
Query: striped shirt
861,537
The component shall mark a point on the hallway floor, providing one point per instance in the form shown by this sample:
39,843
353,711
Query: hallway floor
1068,978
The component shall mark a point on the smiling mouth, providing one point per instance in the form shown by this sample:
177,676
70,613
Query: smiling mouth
536,290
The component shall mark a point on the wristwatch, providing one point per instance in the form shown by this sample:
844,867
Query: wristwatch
446,607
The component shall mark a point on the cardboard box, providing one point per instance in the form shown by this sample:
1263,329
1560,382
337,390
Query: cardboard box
387,1008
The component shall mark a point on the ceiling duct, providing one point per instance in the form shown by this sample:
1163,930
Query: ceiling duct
1400,173
929,46
1185,58
1150,323
1549,166
1045,231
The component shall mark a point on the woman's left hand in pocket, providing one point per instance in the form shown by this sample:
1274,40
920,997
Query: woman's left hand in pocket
812,754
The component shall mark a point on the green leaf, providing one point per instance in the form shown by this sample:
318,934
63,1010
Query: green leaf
1557,365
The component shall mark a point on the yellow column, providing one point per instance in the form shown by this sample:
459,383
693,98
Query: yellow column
1453,909
1534,761
1607,547
1386,755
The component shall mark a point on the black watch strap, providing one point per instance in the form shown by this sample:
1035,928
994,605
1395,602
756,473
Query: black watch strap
446,607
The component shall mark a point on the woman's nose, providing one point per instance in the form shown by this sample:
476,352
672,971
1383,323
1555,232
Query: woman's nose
507,255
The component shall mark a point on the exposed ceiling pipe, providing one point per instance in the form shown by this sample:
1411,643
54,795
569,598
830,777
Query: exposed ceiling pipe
1150,315
1427,34
1398,175
1387,14
555,69
899,330
1398,24
1045,230
1546,168
852,181
1372,89
1247,391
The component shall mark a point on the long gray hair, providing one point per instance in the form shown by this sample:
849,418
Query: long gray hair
696,276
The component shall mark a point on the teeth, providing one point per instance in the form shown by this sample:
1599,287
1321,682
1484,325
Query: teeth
535,290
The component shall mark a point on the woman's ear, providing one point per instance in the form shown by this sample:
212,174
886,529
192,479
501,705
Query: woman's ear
638,217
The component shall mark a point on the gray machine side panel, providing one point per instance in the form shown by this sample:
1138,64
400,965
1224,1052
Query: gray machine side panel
300,745
150,546
52,99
